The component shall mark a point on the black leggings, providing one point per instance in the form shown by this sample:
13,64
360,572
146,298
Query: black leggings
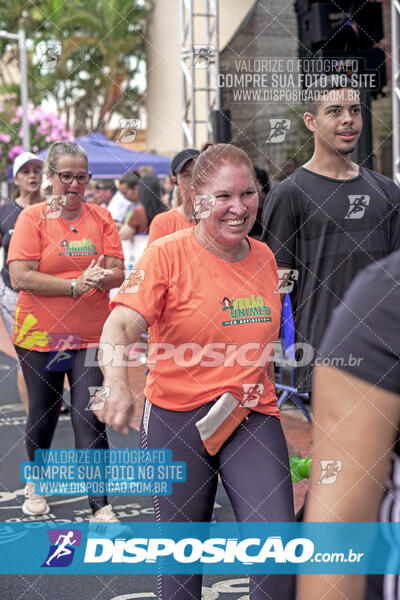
254,469
45,390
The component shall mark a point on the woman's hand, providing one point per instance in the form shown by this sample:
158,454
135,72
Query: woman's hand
113,404
95,276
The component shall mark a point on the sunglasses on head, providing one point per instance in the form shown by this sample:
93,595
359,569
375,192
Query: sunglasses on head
103,187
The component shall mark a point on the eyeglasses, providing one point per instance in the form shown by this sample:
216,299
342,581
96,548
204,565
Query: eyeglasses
67,178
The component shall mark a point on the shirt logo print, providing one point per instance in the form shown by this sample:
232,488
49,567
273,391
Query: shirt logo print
358,204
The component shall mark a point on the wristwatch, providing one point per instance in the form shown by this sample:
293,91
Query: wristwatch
72,289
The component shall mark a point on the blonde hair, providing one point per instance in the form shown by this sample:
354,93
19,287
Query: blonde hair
213,157
59,149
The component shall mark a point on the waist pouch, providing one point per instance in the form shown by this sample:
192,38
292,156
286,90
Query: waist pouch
220,422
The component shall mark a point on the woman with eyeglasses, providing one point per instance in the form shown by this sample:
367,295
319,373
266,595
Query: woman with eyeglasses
63,258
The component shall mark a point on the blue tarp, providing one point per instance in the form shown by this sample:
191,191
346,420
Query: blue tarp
108,160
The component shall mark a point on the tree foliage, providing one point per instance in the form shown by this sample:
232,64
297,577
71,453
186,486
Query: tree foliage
102,43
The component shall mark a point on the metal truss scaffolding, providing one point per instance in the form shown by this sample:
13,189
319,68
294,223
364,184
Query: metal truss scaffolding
396,88
200,68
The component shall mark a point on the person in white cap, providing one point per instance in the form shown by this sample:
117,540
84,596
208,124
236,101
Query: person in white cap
27,174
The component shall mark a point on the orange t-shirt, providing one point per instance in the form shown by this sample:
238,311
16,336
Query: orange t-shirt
43,322
213,323
168,222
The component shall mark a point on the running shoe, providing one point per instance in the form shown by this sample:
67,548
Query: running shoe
104,515
34,505
106,523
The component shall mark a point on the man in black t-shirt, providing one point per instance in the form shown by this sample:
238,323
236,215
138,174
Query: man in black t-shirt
356,397
330,218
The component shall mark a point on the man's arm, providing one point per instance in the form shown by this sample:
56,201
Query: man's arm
356,423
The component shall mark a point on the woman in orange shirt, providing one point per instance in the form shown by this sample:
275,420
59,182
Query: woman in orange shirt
208,294
181,217
63,258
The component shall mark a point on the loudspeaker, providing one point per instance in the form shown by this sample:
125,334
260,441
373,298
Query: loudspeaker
335,26
221,125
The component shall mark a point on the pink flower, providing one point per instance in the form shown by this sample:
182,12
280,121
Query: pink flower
35,148
15,151
4,137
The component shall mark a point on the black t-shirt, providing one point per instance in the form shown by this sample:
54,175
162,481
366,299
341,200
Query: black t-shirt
363,336
328,230
8,215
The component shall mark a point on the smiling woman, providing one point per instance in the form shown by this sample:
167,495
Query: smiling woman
64,256
186,287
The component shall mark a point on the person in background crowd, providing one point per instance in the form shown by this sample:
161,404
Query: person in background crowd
168,188
181,217
263,189
149,206
90,193
129,187
105,191
356,396
121,204
27,173
146,170
289,167
330,218
279,174
191,284
63,258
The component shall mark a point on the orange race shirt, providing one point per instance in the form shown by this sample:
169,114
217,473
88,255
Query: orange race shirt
213,324
46,323
166,223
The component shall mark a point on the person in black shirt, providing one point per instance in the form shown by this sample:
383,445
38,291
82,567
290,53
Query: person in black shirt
27,173
263,189
356,396
329,219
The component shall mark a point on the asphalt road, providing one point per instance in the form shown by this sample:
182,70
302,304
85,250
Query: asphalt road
76,509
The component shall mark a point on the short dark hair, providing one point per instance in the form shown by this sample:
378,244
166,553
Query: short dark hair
131,179
106,184
322,86
263,179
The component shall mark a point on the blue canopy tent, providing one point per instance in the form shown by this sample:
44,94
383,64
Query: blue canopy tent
108,160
